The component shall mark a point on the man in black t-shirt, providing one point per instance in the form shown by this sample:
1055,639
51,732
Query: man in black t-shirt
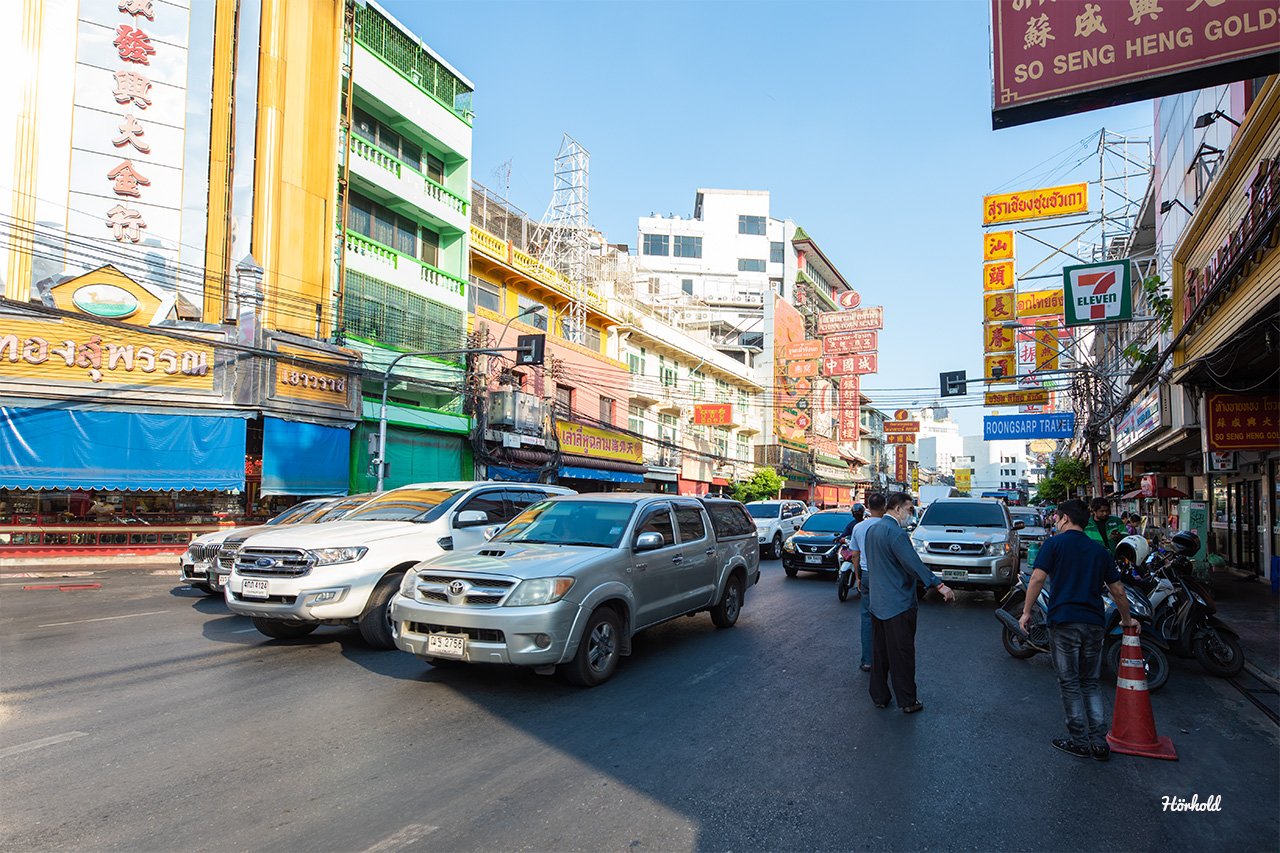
1079,567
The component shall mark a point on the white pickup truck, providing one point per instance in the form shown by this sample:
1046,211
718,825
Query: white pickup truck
346,572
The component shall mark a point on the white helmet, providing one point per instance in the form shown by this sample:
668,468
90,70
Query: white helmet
1133,548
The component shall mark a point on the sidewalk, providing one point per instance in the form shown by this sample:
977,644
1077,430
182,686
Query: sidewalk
1246,604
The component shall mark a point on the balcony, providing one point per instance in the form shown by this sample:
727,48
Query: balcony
373,259
400,183
644,391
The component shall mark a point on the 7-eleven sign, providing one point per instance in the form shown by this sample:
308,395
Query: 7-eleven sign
1097,293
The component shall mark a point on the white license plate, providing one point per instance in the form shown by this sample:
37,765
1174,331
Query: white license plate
200,569
955,575
813,558
254,589
447,645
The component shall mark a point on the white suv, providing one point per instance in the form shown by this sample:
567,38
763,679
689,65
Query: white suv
776,521
346,572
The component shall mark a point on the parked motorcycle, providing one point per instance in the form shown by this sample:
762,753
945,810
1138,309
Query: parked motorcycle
1024,644
1185,612
845,581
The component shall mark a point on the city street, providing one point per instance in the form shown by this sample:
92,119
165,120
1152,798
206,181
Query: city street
141,715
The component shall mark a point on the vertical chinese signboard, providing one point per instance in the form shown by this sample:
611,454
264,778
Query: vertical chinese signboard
900,463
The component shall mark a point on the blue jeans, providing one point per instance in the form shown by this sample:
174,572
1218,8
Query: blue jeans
866,620
1077,660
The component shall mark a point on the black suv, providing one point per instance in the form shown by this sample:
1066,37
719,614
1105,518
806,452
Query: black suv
815,547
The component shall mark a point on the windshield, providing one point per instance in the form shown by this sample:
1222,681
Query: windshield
563,522
334,511
824,522
968,514
295,512
1030,519
405,505
764,510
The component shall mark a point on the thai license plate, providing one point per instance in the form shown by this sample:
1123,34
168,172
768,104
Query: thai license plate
955,575
813,558
200,569
447,645
254,589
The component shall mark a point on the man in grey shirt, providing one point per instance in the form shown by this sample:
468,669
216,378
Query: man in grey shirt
893,605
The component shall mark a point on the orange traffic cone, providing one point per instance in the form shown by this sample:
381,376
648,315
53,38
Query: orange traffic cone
1133,729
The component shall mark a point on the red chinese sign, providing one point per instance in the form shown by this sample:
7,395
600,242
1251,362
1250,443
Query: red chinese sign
900,463
849,365
719,414
847,342
1243,423
796,369
132,88
856,320
900,438
1052,59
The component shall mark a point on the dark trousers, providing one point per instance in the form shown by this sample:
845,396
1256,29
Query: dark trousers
893,656
1077,660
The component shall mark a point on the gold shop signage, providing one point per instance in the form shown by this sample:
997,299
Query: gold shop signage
78,351
306,381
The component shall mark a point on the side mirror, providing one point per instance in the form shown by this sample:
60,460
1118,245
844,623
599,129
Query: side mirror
649,542
471,518
491,531
1018,525
911,525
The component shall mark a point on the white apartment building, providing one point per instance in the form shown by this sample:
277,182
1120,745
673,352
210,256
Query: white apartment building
997,465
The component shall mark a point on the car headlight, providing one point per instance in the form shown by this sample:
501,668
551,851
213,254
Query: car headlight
409,584
333,556
538,591
789,546
922,546
1002,547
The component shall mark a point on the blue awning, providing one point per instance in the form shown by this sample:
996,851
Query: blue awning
304,459
594,474
516,475
76,449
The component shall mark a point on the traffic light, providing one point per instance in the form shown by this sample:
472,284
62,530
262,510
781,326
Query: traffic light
953,384
530,349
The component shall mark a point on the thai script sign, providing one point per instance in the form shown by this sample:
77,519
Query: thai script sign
963,478
1051,425
1097,293
1149,413
901,426
1024,397
1243,423
847,342
849,365
306,381
1054,59
1035,204
997,246
998,276
1040,303
857,320
76,351
708,414
598,443
803,349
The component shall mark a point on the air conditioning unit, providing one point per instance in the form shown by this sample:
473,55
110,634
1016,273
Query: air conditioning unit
517,410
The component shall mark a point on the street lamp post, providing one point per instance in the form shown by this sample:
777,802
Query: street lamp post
386,377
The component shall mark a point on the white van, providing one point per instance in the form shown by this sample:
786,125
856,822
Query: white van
346,572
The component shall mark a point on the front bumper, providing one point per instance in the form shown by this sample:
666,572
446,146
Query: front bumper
494,634
326,593
982,571
193,572
829,562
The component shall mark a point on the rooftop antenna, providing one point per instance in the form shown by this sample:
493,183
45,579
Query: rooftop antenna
564,229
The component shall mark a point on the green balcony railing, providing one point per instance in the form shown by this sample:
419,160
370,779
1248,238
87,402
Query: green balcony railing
403,53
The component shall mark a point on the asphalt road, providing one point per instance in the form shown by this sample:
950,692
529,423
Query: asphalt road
142,716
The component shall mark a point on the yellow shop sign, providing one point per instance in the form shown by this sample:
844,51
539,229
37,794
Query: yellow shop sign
1035,204
598,443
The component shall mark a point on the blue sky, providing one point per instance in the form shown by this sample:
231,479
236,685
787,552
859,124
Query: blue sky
868,122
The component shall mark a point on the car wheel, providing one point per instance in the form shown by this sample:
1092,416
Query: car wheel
776,548
725,614
598,650
375,623
279,629
790,569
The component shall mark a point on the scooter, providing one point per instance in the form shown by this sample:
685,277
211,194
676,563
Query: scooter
844,582
1154,645
1187,614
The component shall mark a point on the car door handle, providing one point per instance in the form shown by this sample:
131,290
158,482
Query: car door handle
711,551
678,559
640,567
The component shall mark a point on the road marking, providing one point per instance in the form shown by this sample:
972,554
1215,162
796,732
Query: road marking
712,671
8,575
99,619
402,839
244,631
36,744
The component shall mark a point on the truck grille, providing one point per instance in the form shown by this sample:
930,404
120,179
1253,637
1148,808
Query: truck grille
483,635
814,549
275,562
966,548
226,555
202,553
476,592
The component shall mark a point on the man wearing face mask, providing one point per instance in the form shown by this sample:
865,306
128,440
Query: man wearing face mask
893,605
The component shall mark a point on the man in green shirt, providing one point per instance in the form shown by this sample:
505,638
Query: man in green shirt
1104,528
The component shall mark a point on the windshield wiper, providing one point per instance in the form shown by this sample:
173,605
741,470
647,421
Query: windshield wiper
591,544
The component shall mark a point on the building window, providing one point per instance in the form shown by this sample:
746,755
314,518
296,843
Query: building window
686,284
775,253
750,265
429,247
751,225
667,428
655,286
723,392
744,448
697,384
635,420
483,294
751,339
635,362
657,244
720,437
668,376
407,152
687,247
606,411
564,402
370,219
538,318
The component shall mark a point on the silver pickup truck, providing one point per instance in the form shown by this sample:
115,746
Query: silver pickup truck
569,581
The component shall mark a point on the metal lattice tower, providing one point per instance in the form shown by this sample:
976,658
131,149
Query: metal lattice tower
564,231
